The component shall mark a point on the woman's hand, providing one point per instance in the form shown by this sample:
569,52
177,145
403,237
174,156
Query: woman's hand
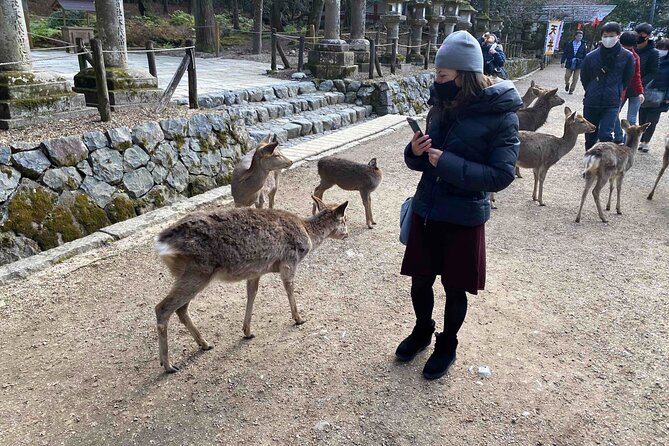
642,98
434,155
420,144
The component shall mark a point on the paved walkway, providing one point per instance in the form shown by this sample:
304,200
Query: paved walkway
213,74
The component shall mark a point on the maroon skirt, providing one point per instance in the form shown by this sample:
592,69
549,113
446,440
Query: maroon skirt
454,252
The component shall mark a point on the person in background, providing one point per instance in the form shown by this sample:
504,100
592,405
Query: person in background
605,74
470,148
649,64
572,59
633,94
660,82
493,56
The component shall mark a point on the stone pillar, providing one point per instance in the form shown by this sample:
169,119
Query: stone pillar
127,86
465,13
434,21
358,44
332,59
391,20
451,13
417,22
28,98
483,19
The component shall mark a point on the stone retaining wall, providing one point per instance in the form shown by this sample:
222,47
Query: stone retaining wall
62,189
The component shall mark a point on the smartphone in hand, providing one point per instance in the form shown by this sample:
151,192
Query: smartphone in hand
414,125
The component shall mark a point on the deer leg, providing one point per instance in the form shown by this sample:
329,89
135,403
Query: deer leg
536,183
272,192
595,193
518,172
183,291
251,292
588,184
608,203
287,276
318,193
493,199
367,203
542,178
652,192
185,319
619,186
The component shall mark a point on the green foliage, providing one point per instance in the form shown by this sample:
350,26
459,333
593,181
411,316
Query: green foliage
225,23
72,18
42,32
162,31
181,18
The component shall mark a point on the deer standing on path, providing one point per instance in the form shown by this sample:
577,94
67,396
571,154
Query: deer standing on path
233,245
255,178
531,94
350,175
608,162
540,151
665,163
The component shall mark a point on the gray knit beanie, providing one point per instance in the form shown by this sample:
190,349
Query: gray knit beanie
460,51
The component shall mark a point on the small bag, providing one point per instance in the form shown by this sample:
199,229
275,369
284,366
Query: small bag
405,220
653,97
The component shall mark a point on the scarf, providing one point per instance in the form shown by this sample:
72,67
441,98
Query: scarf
609,56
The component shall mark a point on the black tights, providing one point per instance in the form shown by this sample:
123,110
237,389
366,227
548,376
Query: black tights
422,297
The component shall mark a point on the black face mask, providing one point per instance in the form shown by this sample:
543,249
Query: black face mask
641,39
446,91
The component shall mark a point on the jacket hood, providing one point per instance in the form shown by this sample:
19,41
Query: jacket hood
498,98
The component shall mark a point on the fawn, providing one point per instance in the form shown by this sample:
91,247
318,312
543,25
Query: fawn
607,161
539,151
255,178
665,163
533,117
531,94
350,175
233,245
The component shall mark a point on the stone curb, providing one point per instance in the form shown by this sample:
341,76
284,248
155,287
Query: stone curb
299,154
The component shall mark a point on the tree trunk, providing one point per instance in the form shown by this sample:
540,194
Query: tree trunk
205,29
257,26
235,14
316,13
165,11
275,17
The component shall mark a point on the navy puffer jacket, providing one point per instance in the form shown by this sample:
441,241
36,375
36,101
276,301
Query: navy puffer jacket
606,90
480,151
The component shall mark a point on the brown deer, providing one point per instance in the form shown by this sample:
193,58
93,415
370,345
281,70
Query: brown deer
233,245
531,94
608,162
533,117
350,175
540,151
255,178
665,163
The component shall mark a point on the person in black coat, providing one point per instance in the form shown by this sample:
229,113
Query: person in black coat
649,60
572,59
660,81
606,73
470,149
493,56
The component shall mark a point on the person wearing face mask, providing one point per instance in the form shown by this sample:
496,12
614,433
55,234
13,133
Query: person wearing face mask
633,94
572,59
660,81
493,56
606,73
470,148
649,65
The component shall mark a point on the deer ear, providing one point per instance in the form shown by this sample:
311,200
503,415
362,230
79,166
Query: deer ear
266,139
319,203
268,149
645,126
567,111
552,92
624,123
339,210
532,84
372,163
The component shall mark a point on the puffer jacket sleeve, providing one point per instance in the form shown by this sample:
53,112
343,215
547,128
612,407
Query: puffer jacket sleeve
497,173
499,59
413,162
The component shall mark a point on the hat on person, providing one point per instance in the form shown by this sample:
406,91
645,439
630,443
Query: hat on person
579,32
460,51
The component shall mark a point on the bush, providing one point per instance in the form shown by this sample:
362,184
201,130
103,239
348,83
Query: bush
41,28
161,31
73,18
181,18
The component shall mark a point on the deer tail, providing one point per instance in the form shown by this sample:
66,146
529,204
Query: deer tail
591,162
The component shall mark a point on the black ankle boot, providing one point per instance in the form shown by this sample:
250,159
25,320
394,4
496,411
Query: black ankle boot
442,358
417,341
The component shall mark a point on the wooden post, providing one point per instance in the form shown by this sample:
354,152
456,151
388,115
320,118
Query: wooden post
393,55
284,59
80,48
300,55
427,55
409,46
372,58
312,33
151,57
101,81
217,29
192,77
273,50
169,91
377,64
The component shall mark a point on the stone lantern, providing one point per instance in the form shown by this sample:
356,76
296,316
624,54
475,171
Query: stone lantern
332,58
465,13
451,13
434,20
392,19
417,21
483,19
496,23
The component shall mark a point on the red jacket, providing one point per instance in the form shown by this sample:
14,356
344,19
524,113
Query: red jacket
636,86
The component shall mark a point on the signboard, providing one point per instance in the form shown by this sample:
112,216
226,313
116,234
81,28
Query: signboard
553,33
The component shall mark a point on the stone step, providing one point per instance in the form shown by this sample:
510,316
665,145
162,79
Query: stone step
310,122
286,90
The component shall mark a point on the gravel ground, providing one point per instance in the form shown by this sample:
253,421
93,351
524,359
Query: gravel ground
573,325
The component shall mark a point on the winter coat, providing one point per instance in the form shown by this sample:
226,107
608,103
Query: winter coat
573,61
649,59
661,82
636,87
606,90
493,63
480,150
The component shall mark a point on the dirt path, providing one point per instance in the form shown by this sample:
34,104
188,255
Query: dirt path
573,324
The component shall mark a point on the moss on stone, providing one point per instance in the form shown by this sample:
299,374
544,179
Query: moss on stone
60,221
223,179
89,215
121,208
179,140
26,211
8,171
17,78
125,145
205,145
34,103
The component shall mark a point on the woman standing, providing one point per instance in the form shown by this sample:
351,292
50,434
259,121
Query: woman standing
493,57
470,150
659,81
